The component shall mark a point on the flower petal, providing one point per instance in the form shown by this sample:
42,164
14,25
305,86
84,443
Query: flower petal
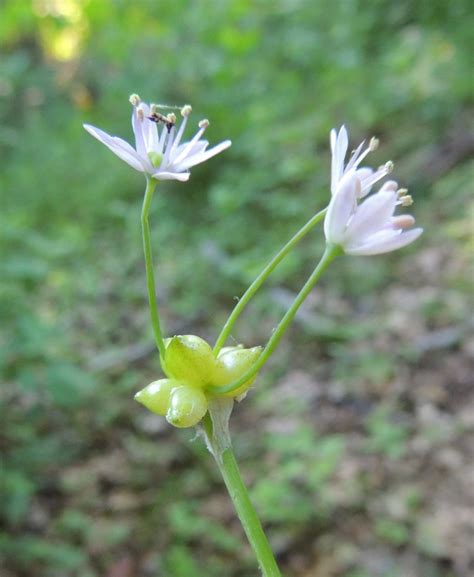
371,216
202,156
384,241
342,206
364,174
181,176
138,131
339,144
119,147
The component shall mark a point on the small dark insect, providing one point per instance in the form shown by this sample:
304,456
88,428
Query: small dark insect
169,120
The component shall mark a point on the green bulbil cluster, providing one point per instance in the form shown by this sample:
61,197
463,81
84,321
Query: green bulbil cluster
193,371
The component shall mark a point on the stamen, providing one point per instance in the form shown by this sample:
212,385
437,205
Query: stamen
388,166
134,99
186,110
373,144
203,123
171,118
406,200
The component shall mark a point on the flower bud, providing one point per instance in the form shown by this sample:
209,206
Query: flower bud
156,396
188,405
232,363
189,359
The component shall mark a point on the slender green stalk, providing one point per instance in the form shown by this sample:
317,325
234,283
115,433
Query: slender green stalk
220,446
329,254
247,514
257,283
150,275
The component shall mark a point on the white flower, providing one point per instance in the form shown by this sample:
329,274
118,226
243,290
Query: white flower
369,227
367,176
159,154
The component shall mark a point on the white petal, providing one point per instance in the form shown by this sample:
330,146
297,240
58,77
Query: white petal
177,140
150,133
168,147
202,156
196,148
181,176
370,180
119,147
339,144
364,174
138,130
342,205
185,150
342,143
385,241
371,216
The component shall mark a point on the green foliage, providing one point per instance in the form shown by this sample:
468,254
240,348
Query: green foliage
392,531
386,435
303,468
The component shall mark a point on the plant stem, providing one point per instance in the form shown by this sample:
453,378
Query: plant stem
220,446
247,514
257,283
329,254
150,275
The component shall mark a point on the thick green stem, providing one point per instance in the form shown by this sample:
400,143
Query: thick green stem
150,276
329,254
257,283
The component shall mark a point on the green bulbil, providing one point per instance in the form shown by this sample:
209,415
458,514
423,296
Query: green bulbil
193,372
156,396
189,359
232,363
188,405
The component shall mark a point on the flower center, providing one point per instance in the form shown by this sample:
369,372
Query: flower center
155,158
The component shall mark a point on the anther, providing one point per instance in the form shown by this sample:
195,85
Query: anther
204,123
134,99
374,144
406,200
186,110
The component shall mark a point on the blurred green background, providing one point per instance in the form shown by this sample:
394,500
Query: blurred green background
356,438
